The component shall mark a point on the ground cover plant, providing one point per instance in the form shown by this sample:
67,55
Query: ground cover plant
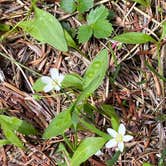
82,82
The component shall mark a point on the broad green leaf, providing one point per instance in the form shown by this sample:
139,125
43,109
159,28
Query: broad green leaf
164,31
45,28
11,136
16,124
94,75
102,31
145,3
72,80
96,71
4,142
109,111
38,86
84,33
114,159
58,125
12,122
68,5
87,148
100,13
84,5
69,40
134,38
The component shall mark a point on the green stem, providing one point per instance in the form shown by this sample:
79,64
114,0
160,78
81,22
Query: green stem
92,128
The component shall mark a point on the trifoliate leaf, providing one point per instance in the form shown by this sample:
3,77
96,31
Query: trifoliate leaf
84,33
81,5
97,14
97,25
102,29
68,5
84,5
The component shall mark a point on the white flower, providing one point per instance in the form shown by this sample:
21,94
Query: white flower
99,153
2,77
53,82
118,138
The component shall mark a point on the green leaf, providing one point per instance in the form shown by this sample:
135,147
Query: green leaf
45,28
38,86
58,125
94,75
114,159
81,5
16,124
134,38
69,40
27,129
97,25
87,148
146,164
84,33
84,5
72,81
4,142
109,111
100,13
12,122
145,3
102,31
11,136
164,31
96,71
61,148
68,5
4,27
93,129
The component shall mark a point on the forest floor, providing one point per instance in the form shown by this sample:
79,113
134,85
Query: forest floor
135,90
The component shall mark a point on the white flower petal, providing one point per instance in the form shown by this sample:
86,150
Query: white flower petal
127,138
111,143
121,146
99,153
54,73
122,129
112,132
46,80
48,88
57,88
60,79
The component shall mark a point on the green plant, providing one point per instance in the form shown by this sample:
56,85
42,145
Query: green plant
95,19
45,28
11,125
80,5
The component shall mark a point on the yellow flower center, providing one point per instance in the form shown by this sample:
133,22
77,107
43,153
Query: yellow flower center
119,138
54,83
